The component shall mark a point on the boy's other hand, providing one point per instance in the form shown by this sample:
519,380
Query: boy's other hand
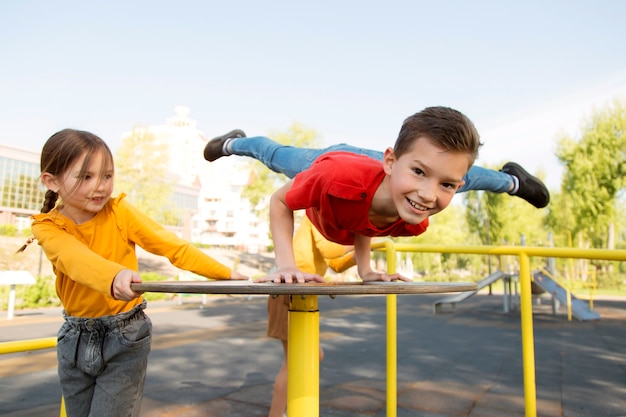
290,276
379,276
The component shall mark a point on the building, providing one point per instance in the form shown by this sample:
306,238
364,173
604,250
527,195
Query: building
22,193
208,195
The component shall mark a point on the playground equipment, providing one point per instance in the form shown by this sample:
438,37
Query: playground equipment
457,298
523,254
542,282
579,309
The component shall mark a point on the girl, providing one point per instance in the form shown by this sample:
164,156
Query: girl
90,239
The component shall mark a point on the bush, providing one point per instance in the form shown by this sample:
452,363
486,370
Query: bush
8,230
154,277
41,294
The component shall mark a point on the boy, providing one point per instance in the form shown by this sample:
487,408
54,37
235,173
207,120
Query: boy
350,198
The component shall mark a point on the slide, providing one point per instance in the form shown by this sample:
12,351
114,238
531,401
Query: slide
580,308
457,298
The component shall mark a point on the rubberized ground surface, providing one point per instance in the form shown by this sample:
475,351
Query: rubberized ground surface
215,360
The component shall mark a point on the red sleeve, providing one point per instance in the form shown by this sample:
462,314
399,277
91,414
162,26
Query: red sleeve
308,186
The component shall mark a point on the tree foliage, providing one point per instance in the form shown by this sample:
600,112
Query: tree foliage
141,173
263,181
499,219
594,174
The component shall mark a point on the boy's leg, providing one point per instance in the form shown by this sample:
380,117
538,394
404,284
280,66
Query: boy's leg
278,328
290,160
479,178
512,179
284,159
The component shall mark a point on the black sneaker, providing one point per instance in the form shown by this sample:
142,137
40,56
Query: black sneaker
531,188
214,149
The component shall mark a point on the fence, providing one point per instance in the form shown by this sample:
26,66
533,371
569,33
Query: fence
524,253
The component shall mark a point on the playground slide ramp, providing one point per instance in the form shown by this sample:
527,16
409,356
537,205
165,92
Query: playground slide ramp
457,298
580,308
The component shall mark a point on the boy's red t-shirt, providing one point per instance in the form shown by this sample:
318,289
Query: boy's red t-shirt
337,192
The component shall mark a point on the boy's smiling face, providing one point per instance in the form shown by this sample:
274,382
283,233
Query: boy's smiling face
423,180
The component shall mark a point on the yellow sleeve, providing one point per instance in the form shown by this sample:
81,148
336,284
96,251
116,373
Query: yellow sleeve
334,253
154,238
74,259
342,263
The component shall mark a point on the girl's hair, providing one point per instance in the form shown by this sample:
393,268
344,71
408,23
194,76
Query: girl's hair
60,151
446,127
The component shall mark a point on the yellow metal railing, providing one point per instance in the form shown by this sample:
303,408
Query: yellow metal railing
27,346
524,253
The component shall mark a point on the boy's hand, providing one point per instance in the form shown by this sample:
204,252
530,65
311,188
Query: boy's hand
379,276
290,276
120,289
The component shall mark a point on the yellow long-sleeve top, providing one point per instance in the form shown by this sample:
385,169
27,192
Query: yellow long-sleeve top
86,257
314,253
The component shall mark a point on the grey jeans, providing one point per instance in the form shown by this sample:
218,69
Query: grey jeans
102,363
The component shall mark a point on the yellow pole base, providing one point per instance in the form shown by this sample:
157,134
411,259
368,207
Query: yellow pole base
303,385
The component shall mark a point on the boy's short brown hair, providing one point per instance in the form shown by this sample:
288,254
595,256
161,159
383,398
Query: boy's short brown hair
448,128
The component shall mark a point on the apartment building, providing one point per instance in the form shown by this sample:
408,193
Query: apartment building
22,193
214,213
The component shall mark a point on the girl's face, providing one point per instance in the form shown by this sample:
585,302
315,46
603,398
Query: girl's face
85,196
424,180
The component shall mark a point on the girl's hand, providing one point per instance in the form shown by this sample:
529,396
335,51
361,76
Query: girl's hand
237,275
379,276
290,276
120,289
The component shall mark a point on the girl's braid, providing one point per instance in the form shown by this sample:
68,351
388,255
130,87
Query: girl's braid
48,204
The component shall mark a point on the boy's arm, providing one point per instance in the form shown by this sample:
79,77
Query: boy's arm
362,251
281,226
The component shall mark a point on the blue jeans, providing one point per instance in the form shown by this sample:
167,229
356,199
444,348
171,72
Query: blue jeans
102,363
290,160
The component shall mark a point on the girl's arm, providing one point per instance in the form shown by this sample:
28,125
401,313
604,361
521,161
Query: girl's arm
75,259
154,238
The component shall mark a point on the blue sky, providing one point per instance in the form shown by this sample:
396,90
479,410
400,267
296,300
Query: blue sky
524,72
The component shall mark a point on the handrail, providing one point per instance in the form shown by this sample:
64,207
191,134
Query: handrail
524,253
28,345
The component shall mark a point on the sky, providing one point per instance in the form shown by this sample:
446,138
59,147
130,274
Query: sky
526,73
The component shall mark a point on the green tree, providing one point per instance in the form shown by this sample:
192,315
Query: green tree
140,172
498,218
263,181
595,166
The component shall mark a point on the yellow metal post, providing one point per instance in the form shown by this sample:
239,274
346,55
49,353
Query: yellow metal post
392,337
528,343
303,386
392,352
569,304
